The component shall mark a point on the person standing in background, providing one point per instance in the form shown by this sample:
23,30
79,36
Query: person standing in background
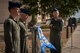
55,30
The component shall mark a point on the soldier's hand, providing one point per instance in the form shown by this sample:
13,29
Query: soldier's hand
50,25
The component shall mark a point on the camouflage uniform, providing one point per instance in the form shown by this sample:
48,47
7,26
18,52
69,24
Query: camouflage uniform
11,36
23,37
55,34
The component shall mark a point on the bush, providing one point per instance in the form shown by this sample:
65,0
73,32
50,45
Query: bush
45,27
79,20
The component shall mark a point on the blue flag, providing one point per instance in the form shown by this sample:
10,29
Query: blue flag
44,41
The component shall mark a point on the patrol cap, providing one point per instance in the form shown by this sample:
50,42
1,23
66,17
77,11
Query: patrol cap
25,11
13,4
55,9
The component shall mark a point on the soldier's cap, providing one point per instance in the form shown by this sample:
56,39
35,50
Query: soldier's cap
55,9
12,4
25,11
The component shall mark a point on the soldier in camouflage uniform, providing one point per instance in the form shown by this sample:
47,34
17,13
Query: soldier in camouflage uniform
55,31
23,30
12,29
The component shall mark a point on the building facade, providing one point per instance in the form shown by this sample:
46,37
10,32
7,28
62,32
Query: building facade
4,13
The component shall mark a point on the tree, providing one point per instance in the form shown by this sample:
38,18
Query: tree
66,7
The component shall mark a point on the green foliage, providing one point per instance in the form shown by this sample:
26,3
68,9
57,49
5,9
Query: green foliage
78,20
66,7
45,27
33,21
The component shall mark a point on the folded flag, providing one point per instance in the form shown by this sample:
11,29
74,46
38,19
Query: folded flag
44,41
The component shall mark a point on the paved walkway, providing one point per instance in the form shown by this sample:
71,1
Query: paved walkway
75,40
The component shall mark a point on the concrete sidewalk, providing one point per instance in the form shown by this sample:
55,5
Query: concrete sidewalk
75,42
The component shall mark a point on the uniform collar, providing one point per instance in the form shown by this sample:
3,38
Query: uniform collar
22,21
12,18
54,18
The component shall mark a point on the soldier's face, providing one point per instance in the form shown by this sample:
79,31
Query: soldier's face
56,13
16,11
24,16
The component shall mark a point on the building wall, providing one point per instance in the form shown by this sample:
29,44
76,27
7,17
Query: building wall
3,10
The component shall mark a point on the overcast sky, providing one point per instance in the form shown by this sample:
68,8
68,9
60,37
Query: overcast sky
77,15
